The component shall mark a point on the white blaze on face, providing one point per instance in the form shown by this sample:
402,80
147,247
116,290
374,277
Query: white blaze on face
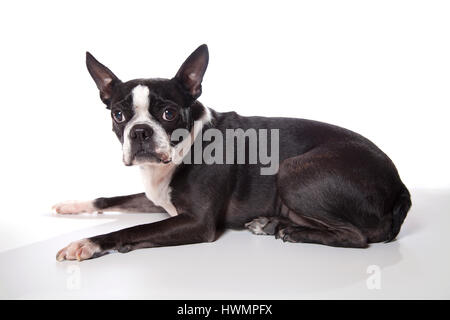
141,102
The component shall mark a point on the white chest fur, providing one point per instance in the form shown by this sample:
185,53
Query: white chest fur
156,180
157,177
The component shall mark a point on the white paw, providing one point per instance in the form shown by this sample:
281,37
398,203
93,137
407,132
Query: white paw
73,207
79,250
256,225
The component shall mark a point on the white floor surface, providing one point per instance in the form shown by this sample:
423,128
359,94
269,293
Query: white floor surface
237,266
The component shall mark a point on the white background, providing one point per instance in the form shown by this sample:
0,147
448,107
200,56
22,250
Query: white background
380,68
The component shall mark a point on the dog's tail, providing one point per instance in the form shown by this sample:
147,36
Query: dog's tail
399,211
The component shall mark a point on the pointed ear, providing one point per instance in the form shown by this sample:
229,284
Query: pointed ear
103,77
192,70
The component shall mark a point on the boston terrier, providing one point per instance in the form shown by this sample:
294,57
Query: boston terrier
330,185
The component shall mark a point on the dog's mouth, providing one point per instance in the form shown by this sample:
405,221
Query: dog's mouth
142,156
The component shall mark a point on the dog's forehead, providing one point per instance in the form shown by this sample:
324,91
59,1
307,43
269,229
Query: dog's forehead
153,89
140,97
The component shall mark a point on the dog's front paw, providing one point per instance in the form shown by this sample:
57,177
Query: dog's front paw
73,207
79,250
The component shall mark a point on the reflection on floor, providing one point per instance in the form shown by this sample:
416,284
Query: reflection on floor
238,265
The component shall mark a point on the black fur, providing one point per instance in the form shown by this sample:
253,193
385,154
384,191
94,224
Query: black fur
132,203
333,187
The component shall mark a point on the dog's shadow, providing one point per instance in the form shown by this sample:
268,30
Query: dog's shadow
237,265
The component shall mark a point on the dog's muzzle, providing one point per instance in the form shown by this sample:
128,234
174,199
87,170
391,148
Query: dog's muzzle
143,148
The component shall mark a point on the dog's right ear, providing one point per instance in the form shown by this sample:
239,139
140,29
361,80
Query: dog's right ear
103,77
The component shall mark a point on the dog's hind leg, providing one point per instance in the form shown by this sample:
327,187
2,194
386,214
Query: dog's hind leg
320,189
137,203
308,231
348,237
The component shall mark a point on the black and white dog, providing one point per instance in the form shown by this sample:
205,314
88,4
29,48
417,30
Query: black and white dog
332,186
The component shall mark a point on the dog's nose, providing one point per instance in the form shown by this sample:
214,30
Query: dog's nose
141,132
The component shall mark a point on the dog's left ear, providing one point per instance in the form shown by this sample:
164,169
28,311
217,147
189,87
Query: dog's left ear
192,70
103,77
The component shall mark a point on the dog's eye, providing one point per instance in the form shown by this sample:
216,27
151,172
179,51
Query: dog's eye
170,114
118,116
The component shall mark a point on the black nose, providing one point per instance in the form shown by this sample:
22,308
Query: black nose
141,132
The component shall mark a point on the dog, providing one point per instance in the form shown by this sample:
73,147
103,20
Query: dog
332,186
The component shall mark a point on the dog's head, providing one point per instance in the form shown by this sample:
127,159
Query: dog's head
145,112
